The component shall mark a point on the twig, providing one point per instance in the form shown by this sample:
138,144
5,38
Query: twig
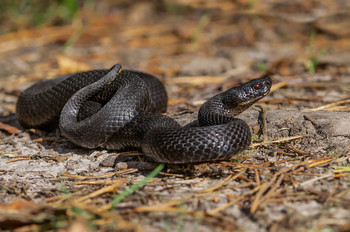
277,141
324,107
222,183
225,206
263,122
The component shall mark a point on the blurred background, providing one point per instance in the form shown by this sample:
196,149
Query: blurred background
227,41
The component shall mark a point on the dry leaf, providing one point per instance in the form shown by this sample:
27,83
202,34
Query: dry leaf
9,129
68,65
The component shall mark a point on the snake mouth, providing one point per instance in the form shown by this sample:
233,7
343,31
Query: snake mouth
251,101
256,98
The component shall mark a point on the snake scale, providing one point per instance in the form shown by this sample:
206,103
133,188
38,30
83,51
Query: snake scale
121,110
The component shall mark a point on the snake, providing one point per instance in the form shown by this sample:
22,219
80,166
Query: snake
122,110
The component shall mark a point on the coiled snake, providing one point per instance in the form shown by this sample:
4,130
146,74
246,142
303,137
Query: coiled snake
120,109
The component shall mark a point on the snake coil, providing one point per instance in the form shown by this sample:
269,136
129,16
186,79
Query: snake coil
120,109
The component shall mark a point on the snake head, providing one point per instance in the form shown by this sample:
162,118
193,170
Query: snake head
239,98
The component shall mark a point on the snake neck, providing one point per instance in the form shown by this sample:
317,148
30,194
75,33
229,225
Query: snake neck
215,112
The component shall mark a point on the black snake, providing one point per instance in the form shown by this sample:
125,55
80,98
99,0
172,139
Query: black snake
120,109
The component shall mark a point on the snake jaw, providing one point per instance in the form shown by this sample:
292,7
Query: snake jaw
251,101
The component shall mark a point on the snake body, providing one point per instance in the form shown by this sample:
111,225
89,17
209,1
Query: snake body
120,109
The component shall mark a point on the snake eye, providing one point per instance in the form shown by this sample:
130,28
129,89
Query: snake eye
257,86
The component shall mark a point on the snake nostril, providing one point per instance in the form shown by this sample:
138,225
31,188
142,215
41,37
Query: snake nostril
268,83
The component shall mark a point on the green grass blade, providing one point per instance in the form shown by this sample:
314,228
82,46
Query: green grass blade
136,186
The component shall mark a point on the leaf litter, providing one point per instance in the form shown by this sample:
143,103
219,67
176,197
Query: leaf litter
295,175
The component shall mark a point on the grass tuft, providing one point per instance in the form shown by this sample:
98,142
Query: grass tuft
19,14
314,56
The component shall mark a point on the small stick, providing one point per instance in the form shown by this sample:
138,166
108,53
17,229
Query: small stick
263,121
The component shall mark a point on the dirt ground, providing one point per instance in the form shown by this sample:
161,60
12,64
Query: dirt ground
294,177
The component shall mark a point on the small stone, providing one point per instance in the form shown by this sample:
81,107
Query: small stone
121,166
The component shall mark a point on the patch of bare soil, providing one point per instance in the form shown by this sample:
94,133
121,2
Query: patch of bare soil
294,177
